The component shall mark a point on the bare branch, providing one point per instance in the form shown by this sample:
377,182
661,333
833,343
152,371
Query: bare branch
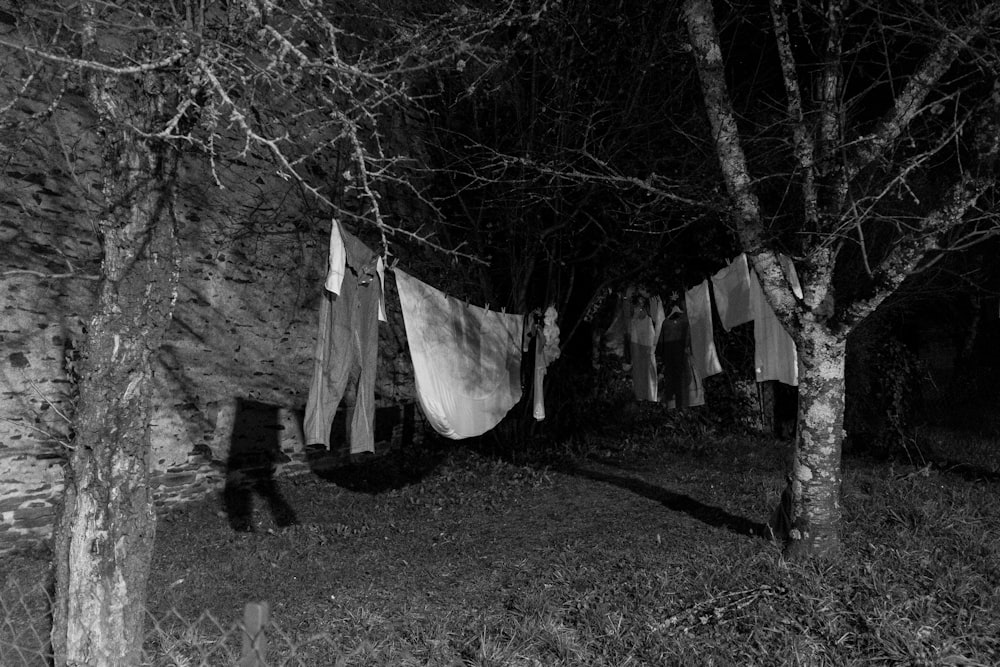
908,253
801,140
52,276
911,99
93,65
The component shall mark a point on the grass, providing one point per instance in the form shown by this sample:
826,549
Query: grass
639,546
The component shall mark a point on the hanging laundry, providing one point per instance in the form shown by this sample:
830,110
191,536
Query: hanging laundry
545,331
347,349
644,319
337,265
681,386
698,305
732,293
775,356
466,359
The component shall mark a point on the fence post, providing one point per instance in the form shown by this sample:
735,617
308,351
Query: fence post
255,618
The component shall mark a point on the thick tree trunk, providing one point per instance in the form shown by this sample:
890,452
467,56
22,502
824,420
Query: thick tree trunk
814,480
104,538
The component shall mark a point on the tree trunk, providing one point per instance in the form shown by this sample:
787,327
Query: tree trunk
104,537
813,492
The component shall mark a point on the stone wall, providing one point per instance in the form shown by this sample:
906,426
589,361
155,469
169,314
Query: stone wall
243,331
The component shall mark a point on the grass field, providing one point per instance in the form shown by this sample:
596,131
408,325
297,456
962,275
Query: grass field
640,547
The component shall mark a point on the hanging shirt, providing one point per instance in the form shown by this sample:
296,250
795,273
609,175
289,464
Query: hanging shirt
337,267
732,293
775,356
704,358
346,350
466,359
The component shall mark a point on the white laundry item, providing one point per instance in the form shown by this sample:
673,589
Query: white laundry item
645,321
466,359
646,317
732,293
698,305
380,271
338,259
791,274
544,329
775,356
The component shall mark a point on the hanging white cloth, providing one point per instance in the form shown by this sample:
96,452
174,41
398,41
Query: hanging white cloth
645,320
732,293
698,304
338,259
544,329
775,356
380,272
466,359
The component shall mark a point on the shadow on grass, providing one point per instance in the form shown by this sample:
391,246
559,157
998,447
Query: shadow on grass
399,459
375,473
678,502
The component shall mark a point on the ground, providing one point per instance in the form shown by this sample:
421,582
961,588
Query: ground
644,547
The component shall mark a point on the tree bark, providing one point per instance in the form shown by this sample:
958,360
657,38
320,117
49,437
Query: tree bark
104,536
815,477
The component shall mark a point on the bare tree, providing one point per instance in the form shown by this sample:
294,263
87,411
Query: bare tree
291,85
890,139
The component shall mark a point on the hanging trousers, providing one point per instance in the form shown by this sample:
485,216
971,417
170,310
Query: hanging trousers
347,352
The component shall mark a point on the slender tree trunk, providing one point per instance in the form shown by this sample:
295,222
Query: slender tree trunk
104,537
815,477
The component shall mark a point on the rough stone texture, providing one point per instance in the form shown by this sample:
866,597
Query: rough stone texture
243,329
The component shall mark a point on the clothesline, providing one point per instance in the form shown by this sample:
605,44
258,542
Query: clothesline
739,299
466,359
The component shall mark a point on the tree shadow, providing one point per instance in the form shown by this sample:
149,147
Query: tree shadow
254,453
678,502
398,460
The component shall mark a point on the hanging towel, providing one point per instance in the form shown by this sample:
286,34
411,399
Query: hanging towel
732,293
704,358
347,351
775,356
466,359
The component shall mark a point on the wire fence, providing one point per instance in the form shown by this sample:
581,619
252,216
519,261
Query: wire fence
172,640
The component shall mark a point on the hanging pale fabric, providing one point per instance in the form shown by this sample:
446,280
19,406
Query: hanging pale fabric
732,293
698,305
645,318
337,260
545,331
775,356
466,359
